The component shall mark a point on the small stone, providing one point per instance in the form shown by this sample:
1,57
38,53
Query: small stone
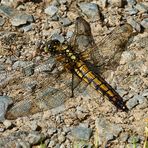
21,19
8,11
46,67
61,138
8,2
58,37
127,56
131,2
116,3
134,24
27,28
51,131
34,126
2,21
133,139
51,10
131,11
1,129
81,133
5,101
52,143
90,9
22,144
65,22
124,137
142,7
144,23
132,102
7,124
35,137
145,93
106,130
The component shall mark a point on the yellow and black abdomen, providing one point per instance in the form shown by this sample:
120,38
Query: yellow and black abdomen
99,84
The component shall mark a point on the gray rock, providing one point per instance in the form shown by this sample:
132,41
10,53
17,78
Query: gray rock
5,101
35,138
144,23
90,9
51,131
22,144
131,2
145,93
51,10
124,137
45,67
2,21
1,129
21,19
58,37
65,22
8,11
134,24
132,102
7,124
131,11
134,139
52,143
142,7
106,130
27,28
8,2
127,56
116,3
21,64
61,138
81,133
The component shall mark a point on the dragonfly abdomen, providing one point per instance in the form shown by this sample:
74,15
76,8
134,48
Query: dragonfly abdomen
99,84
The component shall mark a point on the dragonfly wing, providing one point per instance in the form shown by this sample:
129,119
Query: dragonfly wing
111,47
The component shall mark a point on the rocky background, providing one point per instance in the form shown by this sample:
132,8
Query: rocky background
29,77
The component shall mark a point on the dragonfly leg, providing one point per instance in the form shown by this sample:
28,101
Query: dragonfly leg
72,85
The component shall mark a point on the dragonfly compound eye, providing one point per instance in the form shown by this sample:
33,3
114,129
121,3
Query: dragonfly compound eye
52,46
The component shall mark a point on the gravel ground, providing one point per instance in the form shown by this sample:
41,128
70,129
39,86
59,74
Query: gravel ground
34,86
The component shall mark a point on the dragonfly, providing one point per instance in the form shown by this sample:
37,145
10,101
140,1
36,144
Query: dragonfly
80,56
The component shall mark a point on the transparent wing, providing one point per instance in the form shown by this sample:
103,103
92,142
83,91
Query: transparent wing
105,54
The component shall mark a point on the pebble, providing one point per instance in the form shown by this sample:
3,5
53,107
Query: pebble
7,124
61,138
134,139
106,130
127,56
144,23
134,24
131,11
5,101
131,2
8,2
8,11
27,27
21,19
35,137
124,137
65,22
45,67
132,102
81,133
57,36
51,10
52,143
90,9
116,3
22,144
51,131
142,7
2,21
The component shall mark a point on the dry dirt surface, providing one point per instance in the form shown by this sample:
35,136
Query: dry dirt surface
36,108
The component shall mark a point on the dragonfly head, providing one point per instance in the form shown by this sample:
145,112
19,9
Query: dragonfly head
52,46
